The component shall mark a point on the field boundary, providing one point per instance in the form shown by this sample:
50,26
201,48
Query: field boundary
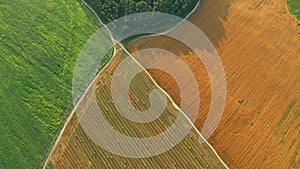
167,31
114,53
176,107
46,161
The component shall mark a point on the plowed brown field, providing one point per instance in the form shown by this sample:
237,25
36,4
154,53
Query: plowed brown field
76,150
259,45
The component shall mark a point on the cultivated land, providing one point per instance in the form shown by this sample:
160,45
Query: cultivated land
258,43
39,44
76,150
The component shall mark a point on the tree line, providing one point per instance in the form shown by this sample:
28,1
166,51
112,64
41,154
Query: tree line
109,10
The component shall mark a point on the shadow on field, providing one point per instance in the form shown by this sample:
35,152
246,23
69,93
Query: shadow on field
209,16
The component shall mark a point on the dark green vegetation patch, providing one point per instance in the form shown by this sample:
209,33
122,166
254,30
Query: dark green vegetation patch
294,6
109,10
39,43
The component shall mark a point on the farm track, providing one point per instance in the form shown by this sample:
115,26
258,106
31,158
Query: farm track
258,43
76,150
212,159
88,88
39,44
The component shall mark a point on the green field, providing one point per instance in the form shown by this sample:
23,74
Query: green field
39,44
294,6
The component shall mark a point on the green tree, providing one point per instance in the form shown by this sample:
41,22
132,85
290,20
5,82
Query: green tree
142,6
109,10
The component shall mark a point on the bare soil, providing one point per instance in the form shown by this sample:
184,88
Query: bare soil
258,42
76,150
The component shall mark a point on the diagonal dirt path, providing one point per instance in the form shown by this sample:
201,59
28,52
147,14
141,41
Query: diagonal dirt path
71,121
259,44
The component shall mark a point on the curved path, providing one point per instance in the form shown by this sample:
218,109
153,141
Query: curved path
90,87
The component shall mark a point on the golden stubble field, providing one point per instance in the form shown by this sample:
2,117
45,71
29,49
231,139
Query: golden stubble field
76,150
258,42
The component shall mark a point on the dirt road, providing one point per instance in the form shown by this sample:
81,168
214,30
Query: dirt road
259,44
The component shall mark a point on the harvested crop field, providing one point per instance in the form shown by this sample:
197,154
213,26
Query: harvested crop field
258,42
76,150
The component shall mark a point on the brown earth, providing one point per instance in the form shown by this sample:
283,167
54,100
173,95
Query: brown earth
259,44
76,150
